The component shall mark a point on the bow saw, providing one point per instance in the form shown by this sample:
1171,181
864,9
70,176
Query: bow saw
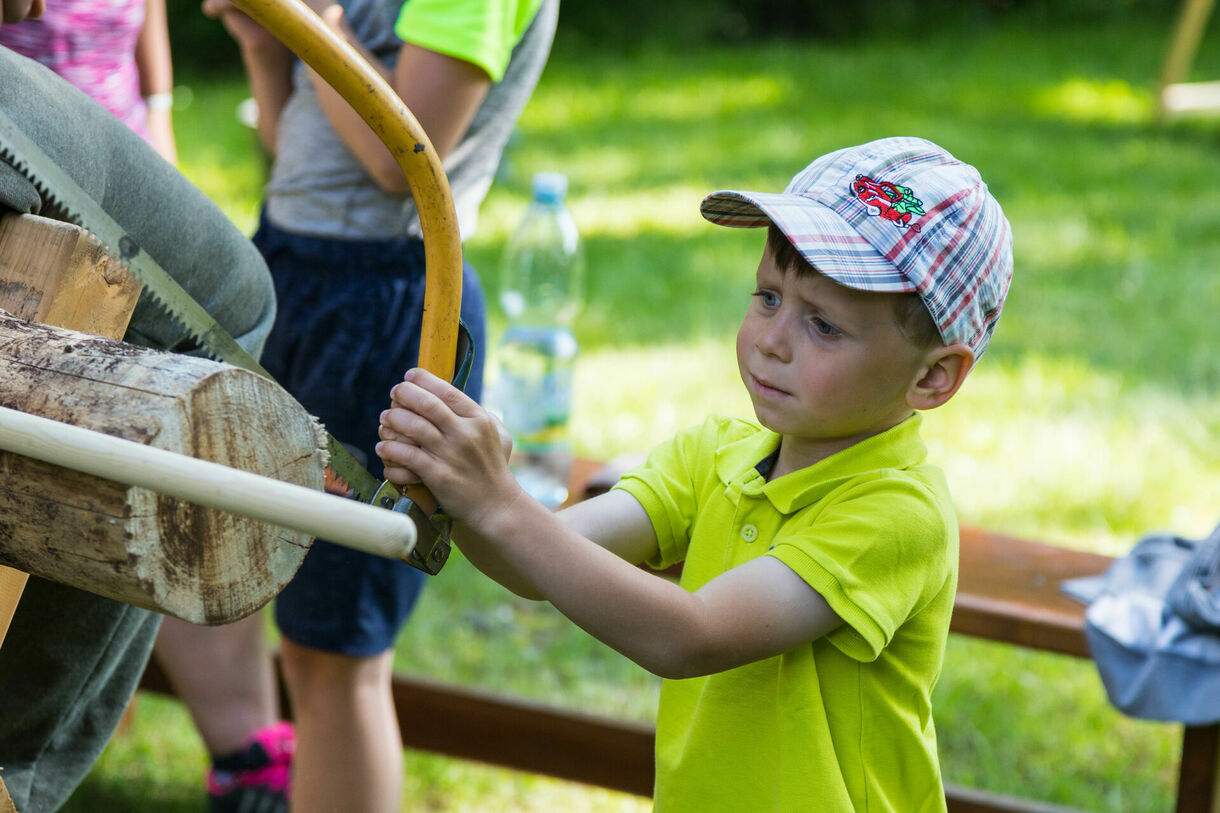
441,338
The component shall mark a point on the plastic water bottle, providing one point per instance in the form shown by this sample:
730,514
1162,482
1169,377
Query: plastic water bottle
543,270
540,292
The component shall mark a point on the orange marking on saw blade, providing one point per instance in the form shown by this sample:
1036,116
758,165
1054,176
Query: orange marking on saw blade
335,484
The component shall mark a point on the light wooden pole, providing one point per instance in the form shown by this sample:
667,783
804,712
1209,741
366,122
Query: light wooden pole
288,505
1175,94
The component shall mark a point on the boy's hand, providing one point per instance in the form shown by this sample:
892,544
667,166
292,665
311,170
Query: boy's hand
434,434
242,28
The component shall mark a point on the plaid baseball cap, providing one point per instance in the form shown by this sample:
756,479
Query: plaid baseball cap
894,215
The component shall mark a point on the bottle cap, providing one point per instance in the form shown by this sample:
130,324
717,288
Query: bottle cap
550,187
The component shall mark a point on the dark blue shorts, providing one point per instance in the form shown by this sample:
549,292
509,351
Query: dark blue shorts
346,330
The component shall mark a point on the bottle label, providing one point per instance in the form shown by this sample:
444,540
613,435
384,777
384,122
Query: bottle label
537,411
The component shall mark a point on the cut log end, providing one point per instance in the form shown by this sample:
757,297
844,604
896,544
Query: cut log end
128,543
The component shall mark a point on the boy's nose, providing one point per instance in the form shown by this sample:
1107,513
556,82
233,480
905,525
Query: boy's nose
773,339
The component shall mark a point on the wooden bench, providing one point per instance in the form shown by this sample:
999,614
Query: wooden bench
1008,591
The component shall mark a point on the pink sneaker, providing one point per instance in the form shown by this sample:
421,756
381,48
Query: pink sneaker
257,779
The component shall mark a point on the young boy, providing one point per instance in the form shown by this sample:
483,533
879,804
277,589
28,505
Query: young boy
819,548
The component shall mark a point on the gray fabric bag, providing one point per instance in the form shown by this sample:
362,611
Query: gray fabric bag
72,659
1153,627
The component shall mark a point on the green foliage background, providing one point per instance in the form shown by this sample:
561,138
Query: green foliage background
627,26
1092,420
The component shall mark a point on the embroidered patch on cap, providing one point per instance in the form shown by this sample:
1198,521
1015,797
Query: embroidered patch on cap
889,201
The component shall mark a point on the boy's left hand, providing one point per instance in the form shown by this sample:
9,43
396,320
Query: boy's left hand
435,434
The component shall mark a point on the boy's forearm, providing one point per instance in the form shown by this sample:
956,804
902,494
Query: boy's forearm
269,70
268,63
352,129
615,521
442,93
484,556
152,52
156,71
653,622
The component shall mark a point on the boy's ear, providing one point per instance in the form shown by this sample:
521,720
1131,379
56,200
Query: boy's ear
943,371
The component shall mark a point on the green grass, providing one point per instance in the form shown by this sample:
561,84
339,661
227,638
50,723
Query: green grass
1091,421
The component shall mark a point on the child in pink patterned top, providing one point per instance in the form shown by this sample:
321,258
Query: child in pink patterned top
116,51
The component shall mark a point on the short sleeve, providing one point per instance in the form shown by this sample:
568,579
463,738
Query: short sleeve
877,553
482,32
666,485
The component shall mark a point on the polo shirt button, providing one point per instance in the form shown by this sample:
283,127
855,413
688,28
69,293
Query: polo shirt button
749,533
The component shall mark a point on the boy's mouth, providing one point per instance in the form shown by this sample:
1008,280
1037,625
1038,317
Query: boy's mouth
766,388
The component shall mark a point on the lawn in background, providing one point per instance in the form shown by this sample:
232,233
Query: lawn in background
1092,419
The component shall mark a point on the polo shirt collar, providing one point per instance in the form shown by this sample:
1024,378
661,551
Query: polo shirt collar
896,448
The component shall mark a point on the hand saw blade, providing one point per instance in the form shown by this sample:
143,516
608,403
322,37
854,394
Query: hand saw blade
58,189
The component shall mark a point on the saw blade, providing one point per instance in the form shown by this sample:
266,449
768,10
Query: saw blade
59,190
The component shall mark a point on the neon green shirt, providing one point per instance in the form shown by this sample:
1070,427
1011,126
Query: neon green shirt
482,32
844,723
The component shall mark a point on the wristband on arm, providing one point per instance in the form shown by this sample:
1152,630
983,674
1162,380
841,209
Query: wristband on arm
159,102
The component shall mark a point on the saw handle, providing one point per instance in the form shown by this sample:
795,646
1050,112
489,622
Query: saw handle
307,36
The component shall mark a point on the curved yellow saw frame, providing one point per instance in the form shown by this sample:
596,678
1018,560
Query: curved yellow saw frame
341,66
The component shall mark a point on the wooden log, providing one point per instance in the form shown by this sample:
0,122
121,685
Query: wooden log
53,272
12,585
128,543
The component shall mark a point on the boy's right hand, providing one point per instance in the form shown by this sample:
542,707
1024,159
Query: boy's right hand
241,27
436,435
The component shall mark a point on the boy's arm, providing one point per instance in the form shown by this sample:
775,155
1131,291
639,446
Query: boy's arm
754,611
157,78
268,64
443,93
614,521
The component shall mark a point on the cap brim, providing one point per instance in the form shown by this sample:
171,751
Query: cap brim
828,242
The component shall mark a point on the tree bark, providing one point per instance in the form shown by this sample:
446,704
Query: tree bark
131,544
53,272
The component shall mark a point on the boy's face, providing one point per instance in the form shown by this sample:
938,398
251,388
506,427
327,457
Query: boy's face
826,366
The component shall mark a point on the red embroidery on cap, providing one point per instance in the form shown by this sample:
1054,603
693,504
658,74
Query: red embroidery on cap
890,201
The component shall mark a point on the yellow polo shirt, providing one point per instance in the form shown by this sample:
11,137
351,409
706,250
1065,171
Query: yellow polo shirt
482,32
845,722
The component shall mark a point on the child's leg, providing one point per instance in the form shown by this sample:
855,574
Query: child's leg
224,676
338,618
349,749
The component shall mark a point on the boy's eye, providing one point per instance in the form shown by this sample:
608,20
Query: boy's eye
770,299
824,328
